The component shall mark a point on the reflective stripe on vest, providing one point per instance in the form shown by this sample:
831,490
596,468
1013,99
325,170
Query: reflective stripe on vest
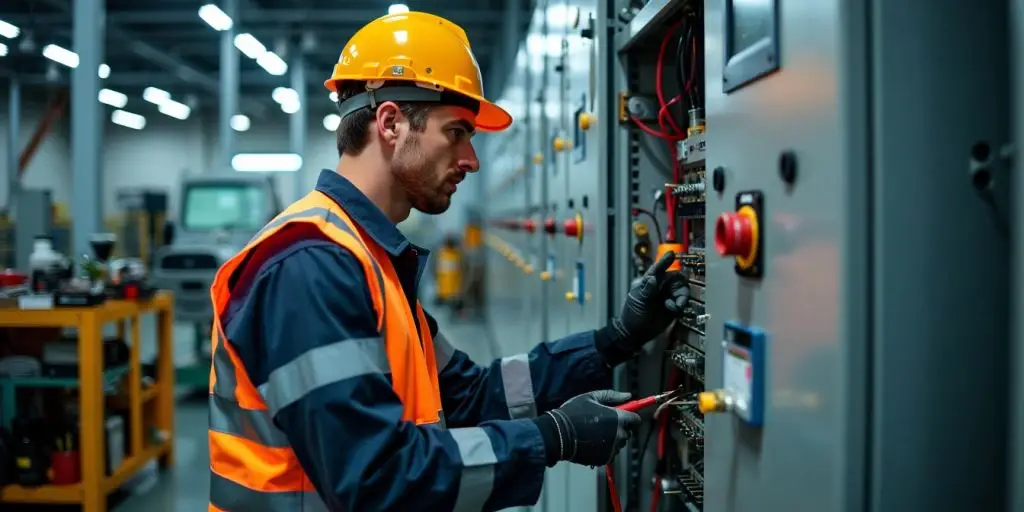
251,462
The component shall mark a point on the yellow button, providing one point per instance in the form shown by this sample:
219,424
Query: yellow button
570,296
545,275
585,120
559,144
528,269
538,158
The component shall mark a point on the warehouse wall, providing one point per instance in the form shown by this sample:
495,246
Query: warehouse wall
49,167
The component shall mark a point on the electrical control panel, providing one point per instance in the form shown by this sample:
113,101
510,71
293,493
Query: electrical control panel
801,181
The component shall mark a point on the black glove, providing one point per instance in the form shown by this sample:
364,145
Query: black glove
653,302
585,430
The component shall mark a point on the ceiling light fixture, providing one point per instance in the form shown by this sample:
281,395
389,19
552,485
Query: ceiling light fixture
331,122
398,9
155,96
215,17
175,109
113,98
240,123
266,162
9,31
128,119
61,55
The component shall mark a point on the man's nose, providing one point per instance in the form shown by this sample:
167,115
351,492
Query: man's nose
468,162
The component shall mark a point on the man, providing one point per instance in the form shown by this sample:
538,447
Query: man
331,388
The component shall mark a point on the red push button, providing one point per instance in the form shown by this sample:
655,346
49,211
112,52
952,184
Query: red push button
549,225
734,235
570,227
530,225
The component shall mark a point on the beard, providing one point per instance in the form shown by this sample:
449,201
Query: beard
415,172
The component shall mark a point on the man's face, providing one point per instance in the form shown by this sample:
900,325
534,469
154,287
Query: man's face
429,164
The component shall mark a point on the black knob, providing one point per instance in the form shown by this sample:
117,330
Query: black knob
787,167
718,179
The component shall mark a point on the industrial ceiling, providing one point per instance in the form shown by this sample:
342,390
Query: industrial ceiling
166,44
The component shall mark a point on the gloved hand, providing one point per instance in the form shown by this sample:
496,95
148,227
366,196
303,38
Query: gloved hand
653,302
589,432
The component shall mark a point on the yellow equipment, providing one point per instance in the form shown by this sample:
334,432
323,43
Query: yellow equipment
449,273
430,52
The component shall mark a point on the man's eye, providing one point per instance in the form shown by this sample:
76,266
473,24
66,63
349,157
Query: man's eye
458,134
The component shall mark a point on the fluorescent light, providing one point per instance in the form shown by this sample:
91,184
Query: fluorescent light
398,9
240,123
249,45
155,96
284,95
128,119
266,162
272,64
113,98
3,50
104,71
175,109
61,55
9,31
291,107
215,18
333,96
331,122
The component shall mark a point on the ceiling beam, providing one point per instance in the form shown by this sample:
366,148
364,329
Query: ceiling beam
249,17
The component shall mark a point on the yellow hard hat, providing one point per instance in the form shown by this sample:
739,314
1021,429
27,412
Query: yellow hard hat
430,52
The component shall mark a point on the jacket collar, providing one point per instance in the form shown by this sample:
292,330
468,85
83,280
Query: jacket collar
362,211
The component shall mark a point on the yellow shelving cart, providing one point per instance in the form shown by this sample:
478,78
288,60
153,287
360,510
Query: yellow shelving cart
153,404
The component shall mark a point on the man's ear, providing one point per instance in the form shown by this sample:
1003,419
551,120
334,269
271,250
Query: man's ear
388,115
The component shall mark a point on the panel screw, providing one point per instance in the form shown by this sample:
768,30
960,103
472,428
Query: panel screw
787,167
718,179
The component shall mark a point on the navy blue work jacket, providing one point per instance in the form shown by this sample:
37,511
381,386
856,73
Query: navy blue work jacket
348,434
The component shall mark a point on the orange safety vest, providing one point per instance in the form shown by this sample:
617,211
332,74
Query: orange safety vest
252,466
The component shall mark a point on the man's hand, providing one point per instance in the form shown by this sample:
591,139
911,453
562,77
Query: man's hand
590,430
654,301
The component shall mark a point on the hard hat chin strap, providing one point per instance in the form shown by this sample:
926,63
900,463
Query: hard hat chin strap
374,97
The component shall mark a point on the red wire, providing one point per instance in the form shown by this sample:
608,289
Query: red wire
612,489
659,71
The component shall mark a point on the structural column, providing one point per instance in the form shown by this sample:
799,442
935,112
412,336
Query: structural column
299,121
86,123
13,132
228,87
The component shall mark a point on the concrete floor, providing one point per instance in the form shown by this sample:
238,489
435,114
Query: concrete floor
185,487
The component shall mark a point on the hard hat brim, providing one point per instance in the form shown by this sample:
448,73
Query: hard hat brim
491,117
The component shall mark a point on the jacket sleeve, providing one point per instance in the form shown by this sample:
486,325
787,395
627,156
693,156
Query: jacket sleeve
517,386
328,386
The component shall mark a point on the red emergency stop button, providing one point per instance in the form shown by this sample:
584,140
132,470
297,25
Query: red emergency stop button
573,227
530,225
549,225
734,234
